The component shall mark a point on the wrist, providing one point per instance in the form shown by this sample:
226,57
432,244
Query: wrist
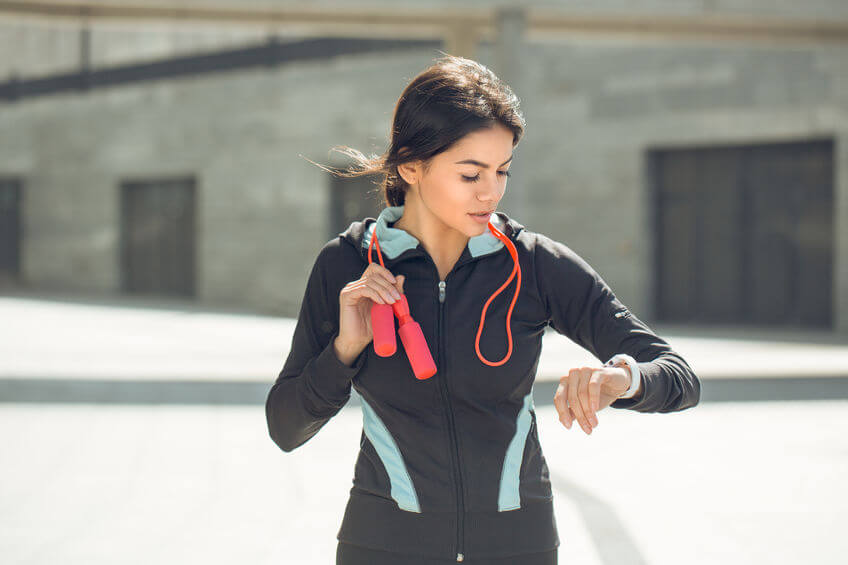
628,378
631,368
345,352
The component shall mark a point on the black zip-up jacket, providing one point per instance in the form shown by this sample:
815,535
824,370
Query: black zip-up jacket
451,466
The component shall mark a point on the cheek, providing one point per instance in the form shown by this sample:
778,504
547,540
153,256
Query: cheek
454,195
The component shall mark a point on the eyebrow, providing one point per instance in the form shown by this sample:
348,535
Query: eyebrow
484,165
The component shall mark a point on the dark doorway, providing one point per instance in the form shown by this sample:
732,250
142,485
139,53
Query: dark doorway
744,234
10,231
353,199
158,237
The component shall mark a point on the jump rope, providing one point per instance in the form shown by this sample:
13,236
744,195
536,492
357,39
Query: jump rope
417,351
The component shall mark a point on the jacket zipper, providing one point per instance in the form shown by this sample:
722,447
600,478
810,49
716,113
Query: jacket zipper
451,425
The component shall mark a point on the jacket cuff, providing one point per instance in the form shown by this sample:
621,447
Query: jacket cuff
331,379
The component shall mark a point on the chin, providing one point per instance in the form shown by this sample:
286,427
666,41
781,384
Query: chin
481,230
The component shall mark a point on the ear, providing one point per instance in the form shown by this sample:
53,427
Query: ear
410,171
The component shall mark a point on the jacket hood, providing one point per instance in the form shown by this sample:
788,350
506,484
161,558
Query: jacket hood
395,242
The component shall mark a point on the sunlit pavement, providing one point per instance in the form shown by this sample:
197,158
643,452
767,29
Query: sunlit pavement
107,481
723,483
138,351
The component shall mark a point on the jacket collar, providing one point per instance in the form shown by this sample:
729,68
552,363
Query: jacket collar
394,242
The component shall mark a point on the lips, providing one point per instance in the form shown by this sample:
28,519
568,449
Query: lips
481,218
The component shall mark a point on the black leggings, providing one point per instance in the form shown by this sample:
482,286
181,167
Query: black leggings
349,554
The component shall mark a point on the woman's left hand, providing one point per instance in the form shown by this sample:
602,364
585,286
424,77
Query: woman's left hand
587,390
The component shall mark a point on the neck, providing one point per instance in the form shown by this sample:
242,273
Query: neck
443,243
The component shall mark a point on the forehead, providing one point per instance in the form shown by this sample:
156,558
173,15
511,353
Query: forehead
491,142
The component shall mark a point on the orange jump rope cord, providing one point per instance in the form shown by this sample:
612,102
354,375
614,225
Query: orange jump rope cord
377,243
515,269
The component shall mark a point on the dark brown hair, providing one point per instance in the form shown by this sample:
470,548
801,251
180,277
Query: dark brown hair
448,100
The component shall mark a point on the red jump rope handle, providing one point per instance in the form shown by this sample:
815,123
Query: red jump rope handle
383,328
413,341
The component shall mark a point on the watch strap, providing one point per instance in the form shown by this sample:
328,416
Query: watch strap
633,367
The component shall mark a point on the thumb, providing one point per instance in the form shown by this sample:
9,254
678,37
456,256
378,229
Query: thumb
399,284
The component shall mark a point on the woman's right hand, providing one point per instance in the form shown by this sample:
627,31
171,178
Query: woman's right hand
377,284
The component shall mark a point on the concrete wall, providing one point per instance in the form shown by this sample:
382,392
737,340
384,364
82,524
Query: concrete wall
34,46
593,107
262,209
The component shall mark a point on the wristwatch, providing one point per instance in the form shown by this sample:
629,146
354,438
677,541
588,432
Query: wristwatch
624,360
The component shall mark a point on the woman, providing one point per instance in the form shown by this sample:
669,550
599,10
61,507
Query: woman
450,468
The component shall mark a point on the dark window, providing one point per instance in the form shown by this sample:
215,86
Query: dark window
10,230
158,237
353,199
744,234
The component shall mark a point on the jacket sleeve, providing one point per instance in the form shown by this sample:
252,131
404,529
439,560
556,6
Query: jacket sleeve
313,384
581,306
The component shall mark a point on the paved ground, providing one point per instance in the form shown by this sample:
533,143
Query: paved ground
731,483
139,351
96,473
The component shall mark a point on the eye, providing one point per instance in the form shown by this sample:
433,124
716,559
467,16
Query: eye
477,176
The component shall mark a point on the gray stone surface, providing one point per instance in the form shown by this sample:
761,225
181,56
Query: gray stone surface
725,482
66,338
170,480
593,108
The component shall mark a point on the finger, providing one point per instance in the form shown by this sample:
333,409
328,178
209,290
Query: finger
386,292
400,280
362,289
379,281
583,397
384,287
574,399
568,416
559,400
559,403
381,270
595,382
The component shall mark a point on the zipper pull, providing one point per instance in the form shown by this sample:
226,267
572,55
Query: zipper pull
442,285
459,557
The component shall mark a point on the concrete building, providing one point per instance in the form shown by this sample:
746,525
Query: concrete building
688,150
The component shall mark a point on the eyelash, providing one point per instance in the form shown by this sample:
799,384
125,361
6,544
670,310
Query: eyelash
476,178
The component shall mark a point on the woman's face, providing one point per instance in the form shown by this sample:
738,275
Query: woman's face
468,178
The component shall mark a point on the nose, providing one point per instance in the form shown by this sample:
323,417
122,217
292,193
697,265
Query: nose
489,192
